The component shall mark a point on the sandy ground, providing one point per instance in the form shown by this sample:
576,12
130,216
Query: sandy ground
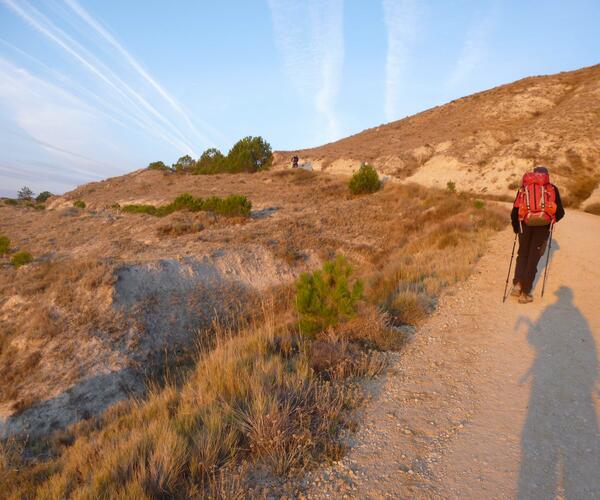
490,400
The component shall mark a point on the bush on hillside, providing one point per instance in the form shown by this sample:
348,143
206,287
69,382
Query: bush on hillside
249,154
593,208
79,204
365,180
451,186
325,297
184,164
231,206
43,196
212,161
11,201
20,259
4,245
25,194
157,165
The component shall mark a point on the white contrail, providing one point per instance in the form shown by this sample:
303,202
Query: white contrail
58,149
64,41
311,41
400,18
83,14
106,107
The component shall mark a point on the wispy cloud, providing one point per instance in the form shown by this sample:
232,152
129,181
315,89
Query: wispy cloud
154,121
400,18
310,37
204,137
473,52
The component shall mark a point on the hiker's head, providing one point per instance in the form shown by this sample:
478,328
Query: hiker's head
540,170
564,293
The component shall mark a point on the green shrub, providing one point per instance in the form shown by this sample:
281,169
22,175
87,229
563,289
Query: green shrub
11,201
479,204
116,206
21,258
325,297
4,245
212,161
514,185
233,205
139,209
25,194
79,204
184,164
365,180
249,154
451,187
593,208
43,196
157,165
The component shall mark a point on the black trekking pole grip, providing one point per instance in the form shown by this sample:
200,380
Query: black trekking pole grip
512,255
548,258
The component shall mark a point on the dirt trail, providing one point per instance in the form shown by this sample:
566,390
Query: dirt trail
491,400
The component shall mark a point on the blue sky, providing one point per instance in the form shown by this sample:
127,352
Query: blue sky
96,88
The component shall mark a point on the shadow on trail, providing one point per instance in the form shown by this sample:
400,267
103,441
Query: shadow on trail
539,275
560,442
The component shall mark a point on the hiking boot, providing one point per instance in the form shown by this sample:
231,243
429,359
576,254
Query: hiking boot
516,290
525,298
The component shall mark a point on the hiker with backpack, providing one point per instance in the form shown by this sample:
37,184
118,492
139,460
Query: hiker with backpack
536,209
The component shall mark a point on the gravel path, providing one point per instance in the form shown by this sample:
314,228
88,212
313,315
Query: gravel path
490,400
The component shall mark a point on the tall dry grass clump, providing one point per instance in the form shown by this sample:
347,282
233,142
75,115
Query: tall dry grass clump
253,401
447,235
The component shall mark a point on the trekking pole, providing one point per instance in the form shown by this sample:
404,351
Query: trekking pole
510,267
547,258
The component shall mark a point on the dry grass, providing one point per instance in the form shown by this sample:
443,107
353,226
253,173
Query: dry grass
452,236
260,400
579,189
59,302
593,208
253,401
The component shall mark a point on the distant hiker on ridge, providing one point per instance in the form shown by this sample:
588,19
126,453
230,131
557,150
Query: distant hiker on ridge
537,207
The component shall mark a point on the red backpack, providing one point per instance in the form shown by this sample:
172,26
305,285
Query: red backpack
536,200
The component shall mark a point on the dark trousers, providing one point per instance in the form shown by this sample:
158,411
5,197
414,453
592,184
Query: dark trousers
532,244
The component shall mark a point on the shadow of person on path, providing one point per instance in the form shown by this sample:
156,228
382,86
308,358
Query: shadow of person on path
560,442
539,275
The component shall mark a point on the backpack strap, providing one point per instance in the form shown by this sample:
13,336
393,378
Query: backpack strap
543,198
527,200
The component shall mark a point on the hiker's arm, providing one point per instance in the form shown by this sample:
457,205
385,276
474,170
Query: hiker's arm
514,219
560,211
514,216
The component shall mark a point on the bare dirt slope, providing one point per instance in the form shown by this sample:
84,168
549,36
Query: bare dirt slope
484,141
491,400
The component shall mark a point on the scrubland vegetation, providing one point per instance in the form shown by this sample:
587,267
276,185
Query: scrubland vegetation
272,395
580,188
21,258
4,245
231,206
593,208
365,180
250,154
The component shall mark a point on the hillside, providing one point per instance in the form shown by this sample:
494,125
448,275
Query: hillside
483,142
115,303
152,354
